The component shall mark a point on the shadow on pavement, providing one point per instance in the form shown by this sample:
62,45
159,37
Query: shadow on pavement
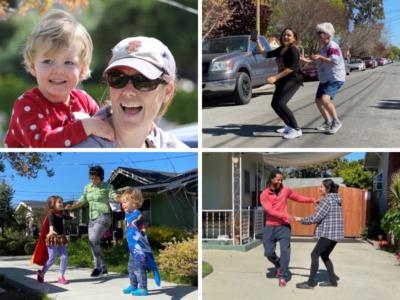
322,275
249,130
388,104
175,292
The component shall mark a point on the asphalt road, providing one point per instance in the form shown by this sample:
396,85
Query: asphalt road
368,105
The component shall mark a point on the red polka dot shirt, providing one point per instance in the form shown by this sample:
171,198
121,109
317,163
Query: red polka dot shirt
38,123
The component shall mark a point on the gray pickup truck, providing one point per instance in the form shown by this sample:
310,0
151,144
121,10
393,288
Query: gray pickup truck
233,66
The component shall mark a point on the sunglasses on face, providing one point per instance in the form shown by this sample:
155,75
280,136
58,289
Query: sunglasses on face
319,32
118,80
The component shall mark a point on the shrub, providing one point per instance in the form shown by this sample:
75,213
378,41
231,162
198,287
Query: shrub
3,243
26,241
30,247
158,235
180,258
13,248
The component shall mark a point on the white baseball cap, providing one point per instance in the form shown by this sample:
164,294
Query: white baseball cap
147,55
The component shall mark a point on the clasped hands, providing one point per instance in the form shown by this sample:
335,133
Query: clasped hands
298,219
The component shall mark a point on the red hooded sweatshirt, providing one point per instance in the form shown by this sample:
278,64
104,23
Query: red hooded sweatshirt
276,206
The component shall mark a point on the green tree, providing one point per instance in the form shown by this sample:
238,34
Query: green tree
365,11
27,164
353,174
6,209
314,171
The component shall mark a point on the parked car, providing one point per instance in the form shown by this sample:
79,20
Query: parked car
187,134
381,61
357,64
233,66
347,68
309,71
369,61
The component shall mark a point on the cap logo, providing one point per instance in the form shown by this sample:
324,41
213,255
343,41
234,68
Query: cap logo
133,46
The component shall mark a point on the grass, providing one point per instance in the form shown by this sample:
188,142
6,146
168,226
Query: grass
207,269
116,259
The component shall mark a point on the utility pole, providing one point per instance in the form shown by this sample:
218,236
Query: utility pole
370,12
258,16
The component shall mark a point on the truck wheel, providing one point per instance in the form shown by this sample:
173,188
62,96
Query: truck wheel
243,90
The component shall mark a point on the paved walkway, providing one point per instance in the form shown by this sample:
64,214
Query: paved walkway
82,287
364,273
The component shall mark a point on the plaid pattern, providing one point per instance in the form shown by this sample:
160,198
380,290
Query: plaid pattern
98,196
328,217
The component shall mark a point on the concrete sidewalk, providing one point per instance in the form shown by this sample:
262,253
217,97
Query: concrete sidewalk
82,287
363,271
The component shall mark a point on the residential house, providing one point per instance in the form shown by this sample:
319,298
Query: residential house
232,184
274,42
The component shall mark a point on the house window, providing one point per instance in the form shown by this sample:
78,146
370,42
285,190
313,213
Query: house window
196,211
246,182
378,182
146,212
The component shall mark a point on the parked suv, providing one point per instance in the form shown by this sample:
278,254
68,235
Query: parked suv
233,66
370,62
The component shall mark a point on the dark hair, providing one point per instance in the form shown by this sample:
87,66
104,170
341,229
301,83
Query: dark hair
50,203
97,171
330,186
295,36
273,175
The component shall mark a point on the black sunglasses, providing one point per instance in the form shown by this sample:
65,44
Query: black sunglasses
319,32
118,80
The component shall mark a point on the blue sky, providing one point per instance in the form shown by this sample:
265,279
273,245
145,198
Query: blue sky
71,171
392,14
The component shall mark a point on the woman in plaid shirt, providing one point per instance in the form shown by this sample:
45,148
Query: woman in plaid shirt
329,230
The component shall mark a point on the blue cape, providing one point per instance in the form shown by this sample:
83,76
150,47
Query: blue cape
138,244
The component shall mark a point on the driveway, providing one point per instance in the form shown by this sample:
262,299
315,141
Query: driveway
363,272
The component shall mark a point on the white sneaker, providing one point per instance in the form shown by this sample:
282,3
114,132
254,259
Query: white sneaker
293,133
285,129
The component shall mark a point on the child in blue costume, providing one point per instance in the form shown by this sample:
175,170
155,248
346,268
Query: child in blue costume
140,255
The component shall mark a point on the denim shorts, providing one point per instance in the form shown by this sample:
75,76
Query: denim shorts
328,88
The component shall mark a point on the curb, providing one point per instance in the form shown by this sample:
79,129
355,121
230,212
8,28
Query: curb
20,286
264,88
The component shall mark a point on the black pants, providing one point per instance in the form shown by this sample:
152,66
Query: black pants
323,248
284,91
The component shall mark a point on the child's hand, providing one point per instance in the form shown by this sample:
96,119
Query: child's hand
52,232
68,207
98,127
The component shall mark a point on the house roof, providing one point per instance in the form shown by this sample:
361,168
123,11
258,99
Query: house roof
31,205
273,39
372,160
156,180
295,183
141,175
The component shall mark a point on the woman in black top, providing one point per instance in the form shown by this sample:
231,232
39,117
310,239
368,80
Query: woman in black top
287,82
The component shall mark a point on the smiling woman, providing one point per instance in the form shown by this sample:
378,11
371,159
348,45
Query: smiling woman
142,79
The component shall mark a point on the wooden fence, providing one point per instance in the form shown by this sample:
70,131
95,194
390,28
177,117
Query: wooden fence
354,203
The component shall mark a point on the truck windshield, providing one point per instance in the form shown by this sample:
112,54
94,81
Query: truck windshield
226,45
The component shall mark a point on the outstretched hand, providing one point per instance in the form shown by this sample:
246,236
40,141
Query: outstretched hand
68,207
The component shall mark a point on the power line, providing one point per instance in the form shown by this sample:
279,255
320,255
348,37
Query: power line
116,163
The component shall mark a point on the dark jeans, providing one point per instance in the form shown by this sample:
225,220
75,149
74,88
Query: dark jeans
323,248
137,273
283,93
271,234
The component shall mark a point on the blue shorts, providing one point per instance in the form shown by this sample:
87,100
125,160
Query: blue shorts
328,88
